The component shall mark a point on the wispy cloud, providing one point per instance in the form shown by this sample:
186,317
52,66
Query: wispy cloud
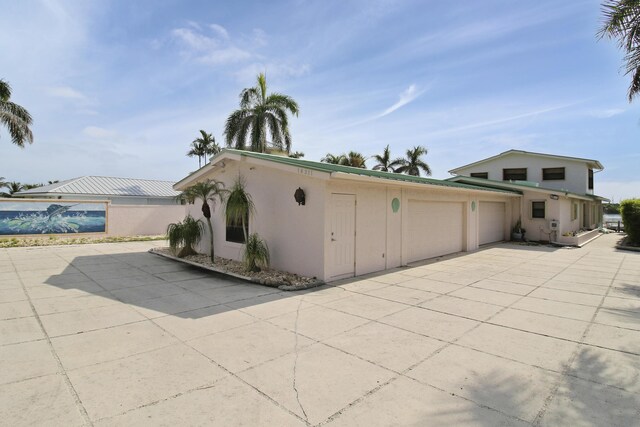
213,46
65,92
606,113
406,97
273,69
98,132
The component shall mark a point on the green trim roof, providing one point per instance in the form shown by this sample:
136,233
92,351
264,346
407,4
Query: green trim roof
490,183
330,168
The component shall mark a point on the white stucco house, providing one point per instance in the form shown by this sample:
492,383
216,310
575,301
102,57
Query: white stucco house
354,221
557,191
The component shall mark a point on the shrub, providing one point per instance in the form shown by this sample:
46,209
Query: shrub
256,253
630,211
184,235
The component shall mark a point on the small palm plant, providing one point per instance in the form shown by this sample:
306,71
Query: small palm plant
184,235
207,191
256,253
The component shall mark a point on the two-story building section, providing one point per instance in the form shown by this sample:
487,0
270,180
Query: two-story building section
557,191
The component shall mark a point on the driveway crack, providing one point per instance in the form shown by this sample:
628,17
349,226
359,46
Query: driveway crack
295,362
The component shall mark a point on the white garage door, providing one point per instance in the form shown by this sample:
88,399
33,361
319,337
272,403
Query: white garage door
492,220
435,228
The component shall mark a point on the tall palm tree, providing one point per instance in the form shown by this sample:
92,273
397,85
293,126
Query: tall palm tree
413,164
239,206
384,162
259,113
13,187
622,22
206,191
203,146
16,118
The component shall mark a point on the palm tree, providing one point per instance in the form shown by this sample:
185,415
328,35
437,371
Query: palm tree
296,155
622,22
385,163
413,164
13,188
206,191
355,160
239,205
16,118
246,128
203,146
334,159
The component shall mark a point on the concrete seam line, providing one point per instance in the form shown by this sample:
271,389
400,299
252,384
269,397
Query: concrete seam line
61,369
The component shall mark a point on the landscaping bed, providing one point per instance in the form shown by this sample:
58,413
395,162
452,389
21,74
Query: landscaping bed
267,277
627,245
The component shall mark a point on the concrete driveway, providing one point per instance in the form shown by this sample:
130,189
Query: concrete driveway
509,335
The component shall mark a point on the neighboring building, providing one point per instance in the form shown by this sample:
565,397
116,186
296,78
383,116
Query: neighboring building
354,221
119,191
557,191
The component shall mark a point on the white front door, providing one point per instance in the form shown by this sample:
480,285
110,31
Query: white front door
342,235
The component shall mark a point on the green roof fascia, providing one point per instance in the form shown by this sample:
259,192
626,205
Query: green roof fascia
499,184
329,168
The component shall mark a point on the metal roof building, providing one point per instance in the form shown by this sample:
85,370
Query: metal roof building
117,190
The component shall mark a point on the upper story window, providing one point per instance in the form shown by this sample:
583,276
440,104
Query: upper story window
515,174
590,187
553,174
483,175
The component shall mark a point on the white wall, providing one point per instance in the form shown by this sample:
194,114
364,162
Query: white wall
576,173
142,220
293,233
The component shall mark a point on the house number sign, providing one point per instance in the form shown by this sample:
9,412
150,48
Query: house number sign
305,172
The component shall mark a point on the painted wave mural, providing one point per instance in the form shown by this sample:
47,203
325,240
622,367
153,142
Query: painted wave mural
54,217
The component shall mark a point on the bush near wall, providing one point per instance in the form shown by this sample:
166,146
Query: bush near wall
630,211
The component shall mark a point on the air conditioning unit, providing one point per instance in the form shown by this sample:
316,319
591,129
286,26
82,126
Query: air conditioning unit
554,225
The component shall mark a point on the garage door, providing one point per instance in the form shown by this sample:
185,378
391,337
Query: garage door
492,221
434,229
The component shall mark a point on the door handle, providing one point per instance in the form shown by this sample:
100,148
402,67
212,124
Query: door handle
333,240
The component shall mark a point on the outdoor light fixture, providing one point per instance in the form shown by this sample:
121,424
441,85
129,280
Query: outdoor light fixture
554,197
299,196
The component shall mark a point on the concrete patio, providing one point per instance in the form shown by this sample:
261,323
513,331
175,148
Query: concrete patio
509,335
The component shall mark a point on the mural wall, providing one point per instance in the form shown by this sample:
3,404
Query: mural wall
51,217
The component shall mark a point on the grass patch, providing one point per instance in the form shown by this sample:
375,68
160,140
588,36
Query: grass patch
17,242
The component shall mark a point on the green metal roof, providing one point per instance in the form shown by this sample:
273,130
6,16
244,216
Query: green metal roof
329,168
490,183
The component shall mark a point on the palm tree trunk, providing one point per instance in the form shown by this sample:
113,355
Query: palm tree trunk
211,239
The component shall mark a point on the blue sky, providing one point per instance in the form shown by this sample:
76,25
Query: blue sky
120,88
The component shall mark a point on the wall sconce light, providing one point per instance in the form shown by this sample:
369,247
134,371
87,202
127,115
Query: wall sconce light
554,197
299,196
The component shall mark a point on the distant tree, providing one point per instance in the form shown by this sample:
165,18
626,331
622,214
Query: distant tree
296,155
334,159
52,182
622,22
203,146
3,183
384,162
413,163
30,186
355,160
16,118
352,158
260,113
12,187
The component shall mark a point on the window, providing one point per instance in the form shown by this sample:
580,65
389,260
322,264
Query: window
553,174
537,209
518,174
574,211
483,175
234,231
590,179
